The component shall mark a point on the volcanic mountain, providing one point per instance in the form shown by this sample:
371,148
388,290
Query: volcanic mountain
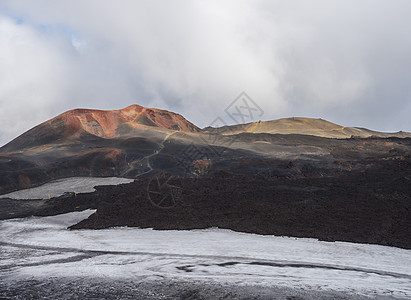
305,126
137,121
78,123
295,176
136,141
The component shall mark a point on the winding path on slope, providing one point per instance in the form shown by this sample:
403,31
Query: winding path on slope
146,159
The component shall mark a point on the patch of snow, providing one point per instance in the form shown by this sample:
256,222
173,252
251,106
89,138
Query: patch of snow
212,255
66,185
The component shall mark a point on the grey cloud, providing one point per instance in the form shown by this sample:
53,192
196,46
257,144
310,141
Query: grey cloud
345,61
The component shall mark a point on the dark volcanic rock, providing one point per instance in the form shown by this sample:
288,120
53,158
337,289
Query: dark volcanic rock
357,206
252,180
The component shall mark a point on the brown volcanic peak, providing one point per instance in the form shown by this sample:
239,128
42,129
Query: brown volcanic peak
136,114
306,126
101,123
105,123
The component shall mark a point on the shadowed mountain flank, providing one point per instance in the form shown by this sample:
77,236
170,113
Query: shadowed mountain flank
297,176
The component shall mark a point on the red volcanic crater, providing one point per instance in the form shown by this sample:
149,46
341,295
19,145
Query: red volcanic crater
100,123
105,123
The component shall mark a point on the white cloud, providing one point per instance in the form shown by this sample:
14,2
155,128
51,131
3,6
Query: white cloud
29,77
329,59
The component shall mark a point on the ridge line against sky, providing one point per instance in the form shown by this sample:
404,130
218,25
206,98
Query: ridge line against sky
344,61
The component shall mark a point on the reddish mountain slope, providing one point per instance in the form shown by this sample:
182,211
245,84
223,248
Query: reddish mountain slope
101,123
105,124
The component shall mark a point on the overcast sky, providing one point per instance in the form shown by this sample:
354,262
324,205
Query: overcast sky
345,61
